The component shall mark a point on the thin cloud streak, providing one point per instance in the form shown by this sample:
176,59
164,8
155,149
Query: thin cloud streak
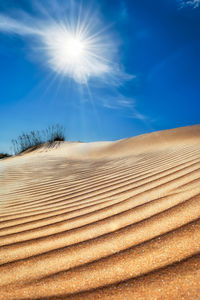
118,102
124,104
191,3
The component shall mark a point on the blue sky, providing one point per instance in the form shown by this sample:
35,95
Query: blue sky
140,71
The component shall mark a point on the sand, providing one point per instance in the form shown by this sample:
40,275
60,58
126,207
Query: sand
104,220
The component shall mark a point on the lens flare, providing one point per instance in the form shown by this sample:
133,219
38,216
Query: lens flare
71,40
75,52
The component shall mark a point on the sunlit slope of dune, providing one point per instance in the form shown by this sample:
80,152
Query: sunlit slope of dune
113,220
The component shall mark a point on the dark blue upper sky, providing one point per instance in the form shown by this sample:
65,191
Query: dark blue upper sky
152,80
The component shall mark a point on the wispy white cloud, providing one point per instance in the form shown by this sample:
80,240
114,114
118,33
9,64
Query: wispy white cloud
75,45
9,25
125,105
118,102
191,3
137,115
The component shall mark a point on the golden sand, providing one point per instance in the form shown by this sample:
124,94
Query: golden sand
105,220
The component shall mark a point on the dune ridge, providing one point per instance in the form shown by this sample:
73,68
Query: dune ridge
103,220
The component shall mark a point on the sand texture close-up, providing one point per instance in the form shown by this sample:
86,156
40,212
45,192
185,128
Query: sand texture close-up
104,220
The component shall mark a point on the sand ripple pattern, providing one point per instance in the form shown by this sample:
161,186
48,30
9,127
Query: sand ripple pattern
123,225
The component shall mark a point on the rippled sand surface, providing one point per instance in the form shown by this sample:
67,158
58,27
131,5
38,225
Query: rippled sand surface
113,220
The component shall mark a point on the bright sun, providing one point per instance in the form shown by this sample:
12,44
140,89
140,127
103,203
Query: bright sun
71,40
73,51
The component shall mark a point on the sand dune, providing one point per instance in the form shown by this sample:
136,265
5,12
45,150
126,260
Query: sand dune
104,220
